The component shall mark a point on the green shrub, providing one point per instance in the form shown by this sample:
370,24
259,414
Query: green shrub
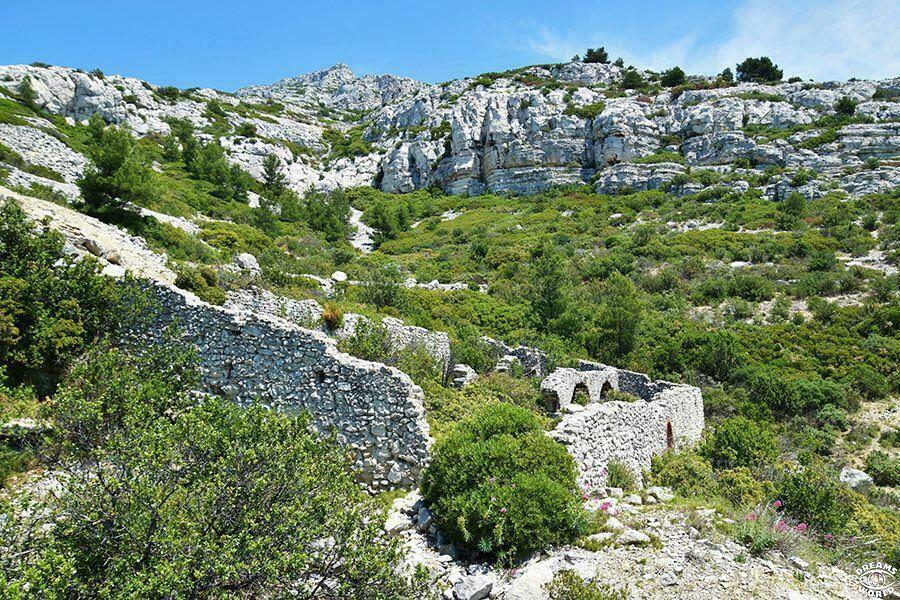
203,281
884,469
619,475
632,80
347,145
568,585
833,416
499,486
741,487
370,341
672,77
890,439
845,106
660,157
740,442
52,307
245,130
814,497
596,55
197,498
26,94
588,111
685,471
469,349
385,287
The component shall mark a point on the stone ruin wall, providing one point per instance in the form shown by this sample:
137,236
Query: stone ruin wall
665,415
308,314
375,410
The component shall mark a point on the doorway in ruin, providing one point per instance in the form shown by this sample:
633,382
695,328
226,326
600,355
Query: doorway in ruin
670,437
580,394
605,390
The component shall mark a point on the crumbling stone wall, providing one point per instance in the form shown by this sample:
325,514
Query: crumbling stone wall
664,415
308,314
533,361
373,409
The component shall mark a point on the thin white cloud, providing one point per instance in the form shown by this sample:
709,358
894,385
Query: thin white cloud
825,39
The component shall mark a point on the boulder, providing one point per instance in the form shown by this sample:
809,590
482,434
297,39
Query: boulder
473,587
247,262
855,479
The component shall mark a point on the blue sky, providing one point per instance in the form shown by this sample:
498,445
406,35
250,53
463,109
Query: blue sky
227,44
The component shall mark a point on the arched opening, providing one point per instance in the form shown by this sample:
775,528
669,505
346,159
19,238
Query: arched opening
581,395
605,390
670,437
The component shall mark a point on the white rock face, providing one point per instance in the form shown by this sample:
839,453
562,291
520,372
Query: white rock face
521,133
39,148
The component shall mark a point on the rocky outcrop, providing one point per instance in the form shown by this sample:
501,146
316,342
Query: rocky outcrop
631,177
522,131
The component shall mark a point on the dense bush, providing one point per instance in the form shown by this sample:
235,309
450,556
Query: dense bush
499,486
740,442
596,55
884,469
619,475
203,281
741,487
686,472
814,496
197,498
370,341
632,80
52,307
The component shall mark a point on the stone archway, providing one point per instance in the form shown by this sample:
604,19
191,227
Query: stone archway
605,389
581,395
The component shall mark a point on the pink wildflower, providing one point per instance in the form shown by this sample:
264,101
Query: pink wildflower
503,510
777,504
585,496
751,516
801,527
781,526
605,506
492,480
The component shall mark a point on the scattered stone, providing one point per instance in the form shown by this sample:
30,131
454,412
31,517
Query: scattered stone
462,375
633,499
112,257
473,587
633,537
663,494
799,563
615,492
